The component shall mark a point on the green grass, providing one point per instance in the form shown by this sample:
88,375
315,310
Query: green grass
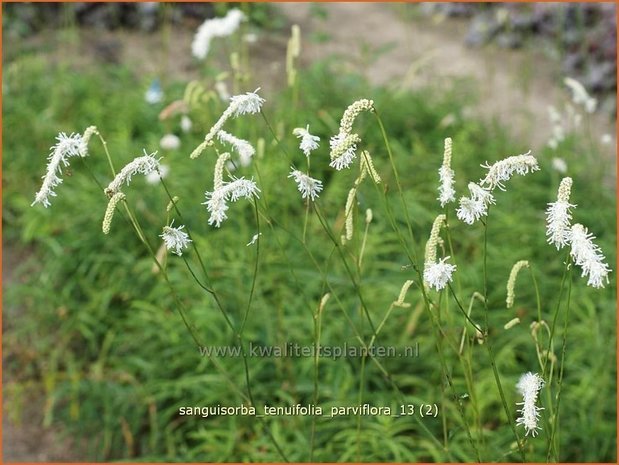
100,332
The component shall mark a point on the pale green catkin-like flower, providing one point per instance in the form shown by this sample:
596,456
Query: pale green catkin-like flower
198,150
88,133
218,179
368,216
368,164
511,323
351,113
344,144
511,282
430,256
293,52
348,213
109,211
323,302
171,204
400,302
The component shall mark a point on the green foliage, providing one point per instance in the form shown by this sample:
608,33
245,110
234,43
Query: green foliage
100,330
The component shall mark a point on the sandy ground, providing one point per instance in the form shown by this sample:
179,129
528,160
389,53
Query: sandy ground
515,87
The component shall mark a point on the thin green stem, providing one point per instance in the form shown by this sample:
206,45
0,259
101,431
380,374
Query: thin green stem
488,345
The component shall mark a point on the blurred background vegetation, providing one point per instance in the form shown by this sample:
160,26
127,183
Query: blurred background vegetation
91,339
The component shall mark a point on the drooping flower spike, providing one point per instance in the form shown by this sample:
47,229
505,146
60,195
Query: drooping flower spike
503,170
245,150
511,282
65,148
109,211
588,256
215,27
344,144
248,103
224,192
145,165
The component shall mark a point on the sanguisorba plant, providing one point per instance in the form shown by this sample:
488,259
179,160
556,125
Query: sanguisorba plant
432,275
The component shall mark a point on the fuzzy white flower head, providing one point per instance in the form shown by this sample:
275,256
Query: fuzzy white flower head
248,103
222,90
309,187
170,142
588,256
186,123
580,96
503,170
309,142
438,275
65,148
529,386
245,150
175,239
215,27
217,201
474,207
446,175
558,216
559,165
140,165
343,150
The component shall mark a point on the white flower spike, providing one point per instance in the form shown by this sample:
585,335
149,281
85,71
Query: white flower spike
558,216
503,170
248,103
309,142
245,150
588,256
529,386
217,201
65,148
175,239
308,187
446,175
215,27
474,207
438,275
140,165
